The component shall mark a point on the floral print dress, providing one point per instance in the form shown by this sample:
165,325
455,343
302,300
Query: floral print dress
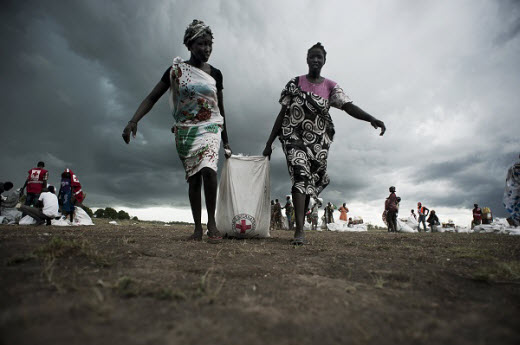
307,131
511,197
198,122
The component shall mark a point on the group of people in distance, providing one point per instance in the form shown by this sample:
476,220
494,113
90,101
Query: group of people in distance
303,125
276,214
392,209
41,202
311,214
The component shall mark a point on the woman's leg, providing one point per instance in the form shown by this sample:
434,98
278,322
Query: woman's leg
300,202
195,183
210,193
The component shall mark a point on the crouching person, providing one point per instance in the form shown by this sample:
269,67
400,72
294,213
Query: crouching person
9,199
433,221
48,202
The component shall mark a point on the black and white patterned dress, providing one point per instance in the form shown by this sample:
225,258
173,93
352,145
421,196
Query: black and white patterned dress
307,131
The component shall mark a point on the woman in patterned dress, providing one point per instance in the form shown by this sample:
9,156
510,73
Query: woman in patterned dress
198,109
306,131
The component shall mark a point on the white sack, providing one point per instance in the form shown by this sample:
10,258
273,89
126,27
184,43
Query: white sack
243,207
463,229
404,227
341,226
80,218
27,220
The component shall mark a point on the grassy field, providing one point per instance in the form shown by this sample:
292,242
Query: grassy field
144,284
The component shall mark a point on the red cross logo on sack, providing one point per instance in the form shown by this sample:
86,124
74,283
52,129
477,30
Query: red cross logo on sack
243,224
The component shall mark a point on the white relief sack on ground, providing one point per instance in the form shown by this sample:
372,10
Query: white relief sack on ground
243,208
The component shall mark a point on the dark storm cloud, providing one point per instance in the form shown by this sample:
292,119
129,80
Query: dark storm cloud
75,71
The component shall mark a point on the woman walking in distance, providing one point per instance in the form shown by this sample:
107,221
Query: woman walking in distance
306,131
198,109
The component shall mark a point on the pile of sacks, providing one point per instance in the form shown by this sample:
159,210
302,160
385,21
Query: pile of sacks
499,226
80,218
342,226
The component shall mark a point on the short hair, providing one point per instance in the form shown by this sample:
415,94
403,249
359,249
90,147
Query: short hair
318,46
41,164
8,185
51,189
196,29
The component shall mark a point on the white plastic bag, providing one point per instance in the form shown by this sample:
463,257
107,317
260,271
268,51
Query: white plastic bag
404,227
81,217
243,208
27,220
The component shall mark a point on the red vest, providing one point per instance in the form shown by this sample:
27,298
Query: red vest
36,179
477,213
76,186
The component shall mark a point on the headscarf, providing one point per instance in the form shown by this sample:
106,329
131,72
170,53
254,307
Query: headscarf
196,29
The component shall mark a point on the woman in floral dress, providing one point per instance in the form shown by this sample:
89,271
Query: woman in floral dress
198,109
306,131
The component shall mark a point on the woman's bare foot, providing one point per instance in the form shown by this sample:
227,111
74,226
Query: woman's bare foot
197,234
299,238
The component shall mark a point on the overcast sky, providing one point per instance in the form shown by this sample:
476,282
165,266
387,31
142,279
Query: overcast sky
442,75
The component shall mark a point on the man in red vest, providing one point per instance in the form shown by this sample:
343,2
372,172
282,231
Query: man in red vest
422,212
477,216
36,180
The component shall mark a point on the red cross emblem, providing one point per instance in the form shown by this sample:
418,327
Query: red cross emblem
243,226
35,174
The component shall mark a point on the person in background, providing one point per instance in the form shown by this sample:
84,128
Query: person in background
350,223
343,210
391,210
278,214
1,191
9,198
477,216
314,216
70,193
289,213
329,213
422,212
35,182
413,214
433,221
273,219
48,207
511,198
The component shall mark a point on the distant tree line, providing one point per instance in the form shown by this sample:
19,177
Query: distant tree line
111,213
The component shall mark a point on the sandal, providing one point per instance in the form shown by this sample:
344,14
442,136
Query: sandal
214,236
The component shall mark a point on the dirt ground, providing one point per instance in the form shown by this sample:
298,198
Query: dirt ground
144,284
